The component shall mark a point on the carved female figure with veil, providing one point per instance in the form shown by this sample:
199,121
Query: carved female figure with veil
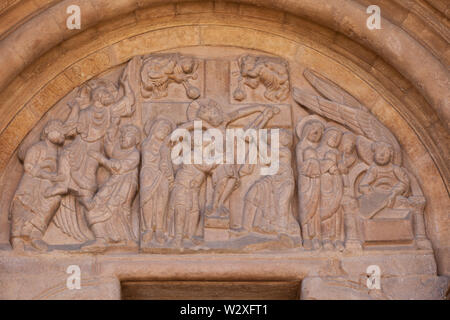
109,214
331,190
309,131
268,202
156,178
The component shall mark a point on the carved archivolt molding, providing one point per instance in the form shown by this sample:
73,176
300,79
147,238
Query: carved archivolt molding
106,178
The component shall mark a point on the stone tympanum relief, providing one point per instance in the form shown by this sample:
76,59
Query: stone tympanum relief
106,178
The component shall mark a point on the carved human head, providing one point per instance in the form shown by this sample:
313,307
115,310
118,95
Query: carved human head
348,142
285,138
160,128
103,96
332,136
210,112
129,136
383,153
246,64
54,132
313,131
187,64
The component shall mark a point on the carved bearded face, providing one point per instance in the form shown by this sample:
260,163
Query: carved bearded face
103,96
128,137
382,153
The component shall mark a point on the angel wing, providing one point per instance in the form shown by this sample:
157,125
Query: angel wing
359,120
69,220
331,90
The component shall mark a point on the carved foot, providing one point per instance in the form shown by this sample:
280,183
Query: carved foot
223,212
147,237
353,245
317,244
39,245
424,244
18,244
99,245
328,245
307,244
160,237
339,245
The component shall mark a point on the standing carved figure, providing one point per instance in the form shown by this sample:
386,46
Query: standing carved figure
268,202
156,179
184,207
348,164
109,214
31,211
309,131
331,190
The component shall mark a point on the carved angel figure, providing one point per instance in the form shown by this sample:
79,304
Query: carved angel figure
383,179
271,72
156,179
109,214
385,183
386,150
158,71
31,211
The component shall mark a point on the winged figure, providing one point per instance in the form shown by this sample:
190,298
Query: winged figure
338,105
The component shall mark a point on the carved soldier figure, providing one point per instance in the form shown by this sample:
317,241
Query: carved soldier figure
31,211
184,206
309,131
268,202
109,214
331,190
156,179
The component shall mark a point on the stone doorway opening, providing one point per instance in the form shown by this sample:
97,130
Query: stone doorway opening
211,290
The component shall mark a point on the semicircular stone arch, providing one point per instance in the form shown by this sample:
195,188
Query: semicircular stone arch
217,37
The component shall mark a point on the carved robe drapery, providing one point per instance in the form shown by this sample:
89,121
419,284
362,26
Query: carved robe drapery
30,206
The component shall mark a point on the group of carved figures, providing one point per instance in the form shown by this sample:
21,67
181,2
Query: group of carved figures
347,170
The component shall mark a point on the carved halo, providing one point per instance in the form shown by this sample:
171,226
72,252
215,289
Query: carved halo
311,118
